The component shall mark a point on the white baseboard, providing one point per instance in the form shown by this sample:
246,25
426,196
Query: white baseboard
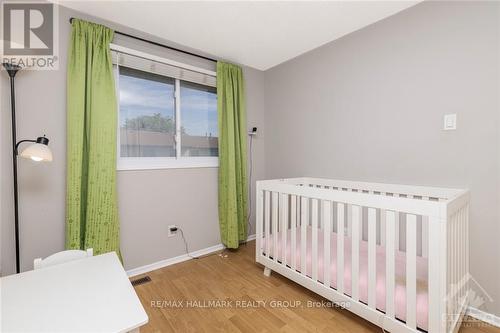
251,238
175,260
172,261
484,316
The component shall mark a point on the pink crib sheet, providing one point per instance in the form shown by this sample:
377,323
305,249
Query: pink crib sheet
400,268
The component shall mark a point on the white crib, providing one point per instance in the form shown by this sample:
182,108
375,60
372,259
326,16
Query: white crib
402,262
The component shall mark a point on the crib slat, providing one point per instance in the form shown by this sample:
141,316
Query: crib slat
275,225
390,279
356,221
340,247
304,217
457,259
451,260
466,240
464,249
293,227
437,274
314,226
382,227
397,233
425,236
460,256
454,261
459,246
267,218
449,273
411,270
362,226
464,253
348,230
259,220
283,225
327,225
372,256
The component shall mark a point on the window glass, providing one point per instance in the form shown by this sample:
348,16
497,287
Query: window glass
147,114
199,131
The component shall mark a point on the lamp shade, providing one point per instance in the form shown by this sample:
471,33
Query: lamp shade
39,151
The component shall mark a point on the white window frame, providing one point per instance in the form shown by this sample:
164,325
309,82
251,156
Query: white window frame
153,163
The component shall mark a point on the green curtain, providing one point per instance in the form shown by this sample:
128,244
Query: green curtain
91,205
232,155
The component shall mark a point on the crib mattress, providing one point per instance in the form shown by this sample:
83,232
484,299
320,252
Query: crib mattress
400,271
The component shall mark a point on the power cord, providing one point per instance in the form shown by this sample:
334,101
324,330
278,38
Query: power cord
186,245
221,254
249,213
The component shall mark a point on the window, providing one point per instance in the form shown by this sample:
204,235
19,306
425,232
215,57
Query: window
147,114
164,121
199,130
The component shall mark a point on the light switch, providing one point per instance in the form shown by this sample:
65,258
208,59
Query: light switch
450,122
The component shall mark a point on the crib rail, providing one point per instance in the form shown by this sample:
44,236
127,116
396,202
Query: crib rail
377,224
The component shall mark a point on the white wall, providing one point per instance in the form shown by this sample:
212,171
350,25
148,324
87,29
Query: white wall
370,107
149,201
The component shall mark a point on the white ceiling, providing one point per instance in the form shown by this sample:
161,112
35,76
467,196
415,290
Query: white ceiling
259,34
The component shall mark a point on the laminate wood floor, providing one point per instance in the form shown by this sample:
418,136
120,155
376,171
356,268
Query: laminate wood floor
231,294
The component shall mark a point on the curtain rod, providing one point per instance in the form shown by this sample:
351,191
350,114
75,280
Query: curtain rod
158,44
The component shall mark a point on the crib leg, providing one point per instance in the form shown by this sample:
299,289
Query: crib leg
267,271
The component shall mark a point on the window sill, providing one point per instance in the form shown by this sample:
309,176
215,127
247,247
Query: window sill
156,163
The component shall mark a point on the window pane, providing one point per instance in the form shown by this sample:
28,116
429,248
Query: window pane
199,132
147,114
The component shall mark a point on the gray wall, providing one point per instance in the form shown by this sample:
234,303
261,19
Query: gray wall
370,107
149,201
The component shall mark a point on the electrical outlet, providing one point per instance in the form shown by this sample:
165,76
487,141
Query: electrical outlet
172,230
450,122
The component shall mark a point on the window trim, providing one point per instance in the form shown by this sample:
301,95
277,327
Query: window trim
155,58
157,163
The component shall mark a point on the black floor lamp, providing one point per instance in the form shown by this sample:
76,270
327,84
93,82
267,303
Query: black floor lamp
38,151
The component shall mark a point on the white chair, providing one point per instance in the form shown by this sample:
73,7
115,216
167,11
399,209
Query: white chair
62,257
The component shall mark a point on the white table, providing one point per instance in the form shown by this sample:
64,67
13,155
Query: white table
86,295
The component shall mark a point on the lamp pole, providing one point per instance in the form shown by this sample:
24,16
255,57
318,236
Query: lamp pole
12,71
